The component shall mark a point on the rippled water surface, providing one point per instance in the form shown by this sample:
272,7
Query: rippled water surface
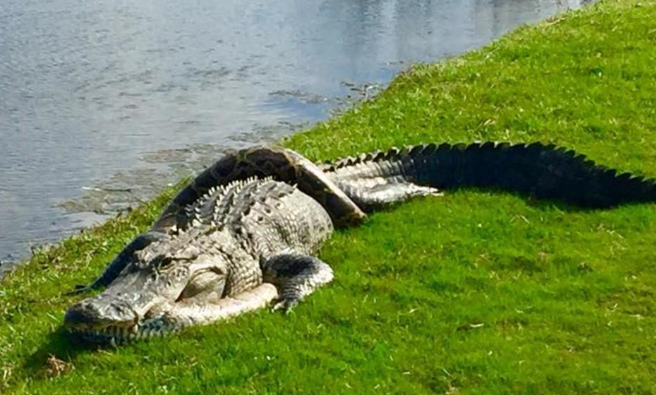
104,102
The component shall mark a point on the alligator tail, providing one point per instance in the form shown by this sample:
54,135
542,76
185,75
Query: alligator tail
539,170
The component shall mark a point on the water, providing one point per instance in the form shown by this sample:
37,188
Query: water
103,102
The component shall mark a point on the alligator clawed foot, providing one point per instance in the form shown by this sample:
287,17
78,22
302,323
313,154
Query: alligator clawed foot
286,306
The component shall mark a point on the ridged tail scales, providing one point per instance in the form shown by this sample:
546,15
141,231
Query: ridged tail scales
543,171
282,164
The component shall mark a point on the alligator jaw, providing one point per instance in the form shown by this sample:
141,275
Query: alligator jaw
111,335
116,334
180,316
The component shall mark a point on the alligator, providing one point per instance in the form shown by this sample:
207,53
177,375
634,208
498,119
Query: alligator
245,233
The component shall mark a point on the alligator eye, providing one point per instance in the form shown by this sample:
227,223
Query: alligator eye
165,262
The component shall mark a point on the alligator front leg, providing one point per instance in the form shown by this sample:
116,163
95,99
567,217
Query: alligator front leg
296,276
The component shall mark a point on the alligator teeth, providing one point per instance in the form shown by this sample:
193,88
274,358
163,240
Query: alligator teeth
115,335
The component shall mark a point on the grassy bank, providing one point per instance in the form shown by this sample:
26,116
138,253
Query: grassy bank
474,292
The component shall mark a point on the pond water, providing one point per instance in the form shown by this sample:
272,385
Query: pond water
104,102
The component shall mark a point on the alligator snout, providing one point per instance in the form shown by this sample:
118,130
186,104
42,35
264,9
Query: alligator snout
96,312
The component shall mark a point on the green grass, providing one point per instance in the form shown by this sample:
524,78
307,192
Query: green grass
473,293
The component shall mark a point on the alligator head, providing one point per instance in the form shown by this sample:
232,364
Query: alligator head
168,285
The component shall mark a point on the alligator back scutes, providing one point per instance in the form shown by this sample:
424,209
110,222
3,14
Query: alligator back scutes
213,206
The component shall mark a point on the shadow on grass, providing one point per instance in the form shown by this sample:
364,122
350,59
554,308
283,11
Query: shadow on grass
553,202
540,203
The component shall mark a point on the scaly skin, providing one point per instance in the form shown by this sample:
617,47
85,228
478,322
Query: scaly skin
282,164
235,241
214,268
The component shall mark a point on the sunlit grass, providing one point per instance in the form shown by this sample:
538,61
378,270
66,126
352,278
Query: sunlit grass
475,292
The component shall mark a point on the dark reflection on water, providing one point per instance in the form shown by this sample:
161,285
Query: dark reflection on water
130,95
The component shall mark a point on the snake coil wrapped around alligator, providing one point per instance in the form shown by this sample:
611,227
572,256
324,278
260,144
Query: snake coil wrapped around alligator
244,234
